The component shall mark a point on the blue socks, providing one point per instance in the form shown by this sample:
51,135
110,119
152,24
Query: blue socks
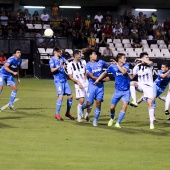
0,91
97,113
121,116
69,104
58,106
12,97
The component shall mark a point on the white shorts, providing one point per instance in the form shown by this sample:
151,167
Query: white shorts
81,93
147,90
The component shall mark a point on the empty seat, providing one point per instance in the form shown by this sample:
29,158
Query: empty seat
114,53
148,50
30,26
138,51
49,50
156,50
111,45
109,40
120,50
145,45
118,45
127,45
129,49
41,50
144,42
131,54
159,42
153,46
152,55
115,41
125,41
70,51
45,26
101,49
162,46
165,53
37,26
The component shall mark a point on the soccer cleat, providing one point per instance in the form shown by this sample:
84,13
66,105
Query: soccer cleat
166,112
117,125
87,118
163,98
58,117
12,108
152,126
95,123
133,104
168,118
111,121
69,116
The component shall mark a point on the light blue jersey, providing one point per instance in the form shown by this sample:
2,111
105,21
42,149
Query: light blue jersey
122,82
7,76
59,75
60,80
13,65
95,92
160,84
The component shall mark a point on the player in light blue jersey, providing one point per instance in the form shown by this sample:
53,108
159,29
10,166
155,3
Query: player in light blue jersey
160,84
120,70
94,69
8,70
61,84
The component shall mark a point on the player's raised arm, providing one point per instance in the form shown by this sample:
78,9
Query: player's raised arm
165,74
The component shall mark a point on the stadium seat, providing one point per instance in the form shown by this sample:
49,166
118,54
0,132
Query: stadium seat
70,51
115,53
162,46
127,45
151,55
49,50
153,46
30,26
125,41
101,49
156,50
138,51
118,45
109,40
121,50
41,50
160,42
129,49
148,50
165,53
112,48
169,47
45,26
145,45
115,41
111,45
131,54
37,26
144,42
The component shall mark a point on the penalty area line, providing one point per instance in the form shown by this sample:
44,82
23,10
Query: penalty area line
5,106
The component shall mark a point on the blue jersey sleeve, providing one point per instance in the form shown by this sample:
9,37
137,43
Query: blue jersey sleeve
110,69
64,60
88,69
51,63
104,64
126,66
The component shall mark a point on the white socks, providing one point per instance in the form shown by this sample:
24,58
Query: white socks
133,92
167,102
151,115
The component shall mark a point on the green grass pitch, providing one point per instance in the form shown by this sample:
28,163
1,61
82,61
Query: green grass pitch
31,139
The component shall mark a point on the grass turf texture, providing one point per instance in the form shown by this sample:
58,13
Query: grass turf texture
31,139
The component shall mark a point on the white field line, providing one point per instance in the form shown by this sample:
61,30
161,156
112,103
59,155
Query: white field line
5,106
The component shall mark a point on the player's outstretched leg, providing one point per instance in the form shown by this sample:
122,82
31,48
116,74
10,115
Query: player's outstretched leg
96,116
120,118
12,98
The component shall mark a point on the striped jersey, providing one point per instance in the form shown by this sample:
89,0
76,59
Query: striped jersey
144,72
77,70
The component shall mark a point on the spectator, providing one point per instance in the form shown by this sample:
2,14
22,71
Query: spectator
102,41
54,9
27,16
20,33
2,57
36,17
4,19
77,20
136,42
108,16
108,31
87,21
118,32
98,17
45,17
92,40
107,51
56,24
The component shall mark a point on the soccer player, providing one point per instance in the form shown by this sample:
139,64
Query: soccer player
167,102
94,69
61,84
120,70
77,73
8,70
160,85
145,83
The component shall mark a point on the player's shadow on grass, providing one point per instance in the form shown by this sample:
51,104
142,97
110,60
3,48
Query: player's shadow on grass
2,125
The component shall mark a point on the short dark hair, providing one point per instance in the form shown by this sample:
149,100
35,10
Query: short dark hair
89,51
142,54
17,50
166,65
56,49
119,55
76,52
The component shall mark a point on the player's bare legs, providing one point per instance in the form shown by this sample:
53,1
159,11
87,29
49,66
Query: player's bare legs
133,87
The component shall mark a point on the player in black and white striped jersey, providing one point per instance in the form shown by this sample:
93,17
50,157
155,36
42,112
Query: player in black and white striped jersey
76,72
144,70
